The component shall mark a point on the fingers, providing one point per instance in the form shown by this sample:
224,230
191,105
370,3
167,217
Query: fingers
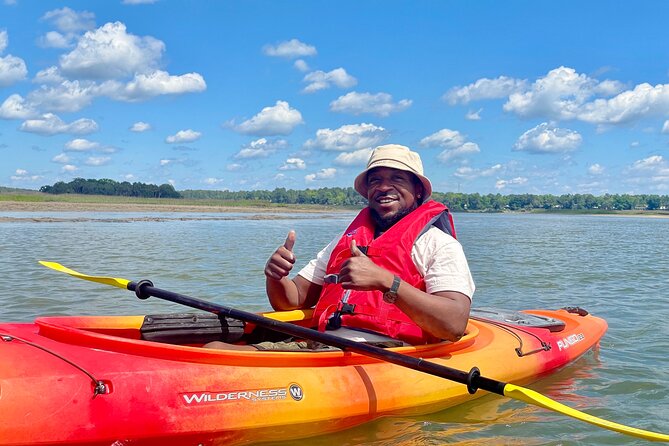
290,241
281,262
355,251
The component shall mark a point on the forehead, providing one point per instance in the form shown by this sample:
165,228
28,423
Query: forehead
387,171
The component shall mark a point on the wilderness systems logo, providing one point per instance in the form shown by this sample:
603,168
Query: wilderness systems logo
257,395
565,343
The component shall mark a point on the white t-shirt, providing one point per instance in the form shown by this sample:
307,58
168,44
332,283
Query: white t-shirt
438,257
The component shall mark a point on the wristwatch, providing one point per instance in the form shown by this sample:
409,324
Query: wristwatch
391,295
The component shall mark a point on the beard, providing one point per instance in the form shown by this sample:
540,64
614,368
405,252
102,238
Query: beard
383,223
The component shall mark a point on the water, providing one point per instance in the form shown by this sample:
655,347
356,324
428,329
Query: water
615,267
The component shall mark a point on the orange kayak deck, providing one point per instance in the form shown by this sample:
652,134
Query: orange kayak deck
157,393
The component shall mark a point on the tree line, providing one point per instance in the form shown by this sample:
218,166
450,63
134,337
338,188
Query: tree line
110,187
348,197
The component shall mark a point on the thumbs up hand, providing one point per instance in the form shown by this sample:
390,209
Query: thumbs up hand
282,260
360,273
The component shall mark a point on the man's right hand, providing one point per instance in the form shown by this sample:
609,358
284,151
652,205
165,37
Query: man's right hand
281,262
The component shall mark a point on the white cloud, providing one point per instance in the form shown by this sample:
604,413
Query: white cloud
69,168
653,170
54,39
110,52
4,40
12,69
596,169
211,181
183,136
320,80
665,127
156,83
69,21
261,148
49,75
357,158
484,89
323,174
97,160
290,49
68,96
444,138
545,138
234,167
454,143
518,181
24,175
380,104
468,148
301,65
165,162
469,173
61,158
474,115
279,119
50,124
81,145
347,137
294,164
644,100
139,127
16,107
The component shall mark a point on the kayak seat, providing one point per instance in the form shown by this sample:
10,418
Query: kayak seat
517,318
190,328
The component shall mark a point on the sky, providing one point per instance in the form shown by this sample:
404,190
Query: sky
497,97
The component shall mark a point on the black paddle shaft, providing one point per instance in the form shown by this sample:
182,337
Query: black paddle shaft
472,379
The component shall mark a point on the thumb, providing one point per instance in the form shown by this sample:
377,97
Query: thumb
290,241
355,251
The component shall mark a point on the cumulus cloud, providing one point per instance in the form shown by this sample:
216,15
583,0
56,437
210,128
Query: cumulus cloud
24,175
183,136
470,173
653,170
16,107
111,52
294,164
156,83
140,126
347,137
50,124
595,169
380,104
320,80
301,65
61,158
69,168
68,21
473,115
644,100
518,181
49,75
279,119
81,145
290,49
484,89
97,160
545,138
261,148
356,158
665,127
12,69
454,143
323,174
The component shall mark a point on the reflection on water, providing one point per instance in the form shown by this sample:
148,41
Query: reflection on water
617,268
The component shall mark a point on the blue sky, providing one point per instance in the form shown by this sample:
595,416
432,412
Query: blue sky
498,97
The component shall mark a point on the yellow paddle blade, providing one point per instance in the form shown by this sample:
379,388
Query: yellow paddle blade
113,281
537,399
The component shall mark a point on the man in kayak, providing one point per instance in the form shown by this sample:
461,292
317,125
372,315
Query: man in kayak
397,271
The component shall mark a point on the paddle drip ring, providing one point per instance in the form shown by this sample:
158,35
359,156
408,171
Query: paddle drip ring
472,380
140,291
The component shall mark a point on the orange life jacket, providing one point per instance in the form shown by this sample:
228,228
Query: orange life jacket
392,251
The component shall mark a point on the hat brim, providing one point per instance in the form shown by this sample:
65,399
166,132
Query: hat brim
360,183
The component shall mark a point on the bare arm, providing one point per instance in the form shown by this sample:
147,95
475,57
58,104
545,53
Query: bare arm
285,293
443,314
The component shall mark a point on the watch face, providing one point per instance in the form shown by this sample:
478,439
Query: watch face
389,297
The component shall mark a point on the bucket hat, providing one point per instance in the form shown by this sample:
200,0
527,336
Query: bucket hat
397,157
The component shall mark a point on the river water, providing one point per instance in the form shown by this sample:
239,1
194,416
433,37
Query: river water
615,267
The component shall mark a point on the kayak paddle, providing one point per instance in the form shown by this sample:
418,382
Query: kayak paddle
472,379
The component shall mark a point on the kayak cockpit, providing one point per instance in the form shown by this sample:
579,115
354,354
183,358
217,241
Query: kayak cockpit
181,337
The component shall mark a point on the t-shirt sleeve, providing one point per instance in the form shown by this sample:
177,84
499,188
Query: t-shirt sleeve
442,262
314,271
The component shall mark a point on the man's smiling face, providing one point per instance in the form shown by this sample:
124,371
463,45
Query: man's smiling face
392,194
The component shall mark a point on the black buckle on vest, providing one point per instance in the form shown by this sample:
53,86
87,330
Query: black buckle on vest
334,322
